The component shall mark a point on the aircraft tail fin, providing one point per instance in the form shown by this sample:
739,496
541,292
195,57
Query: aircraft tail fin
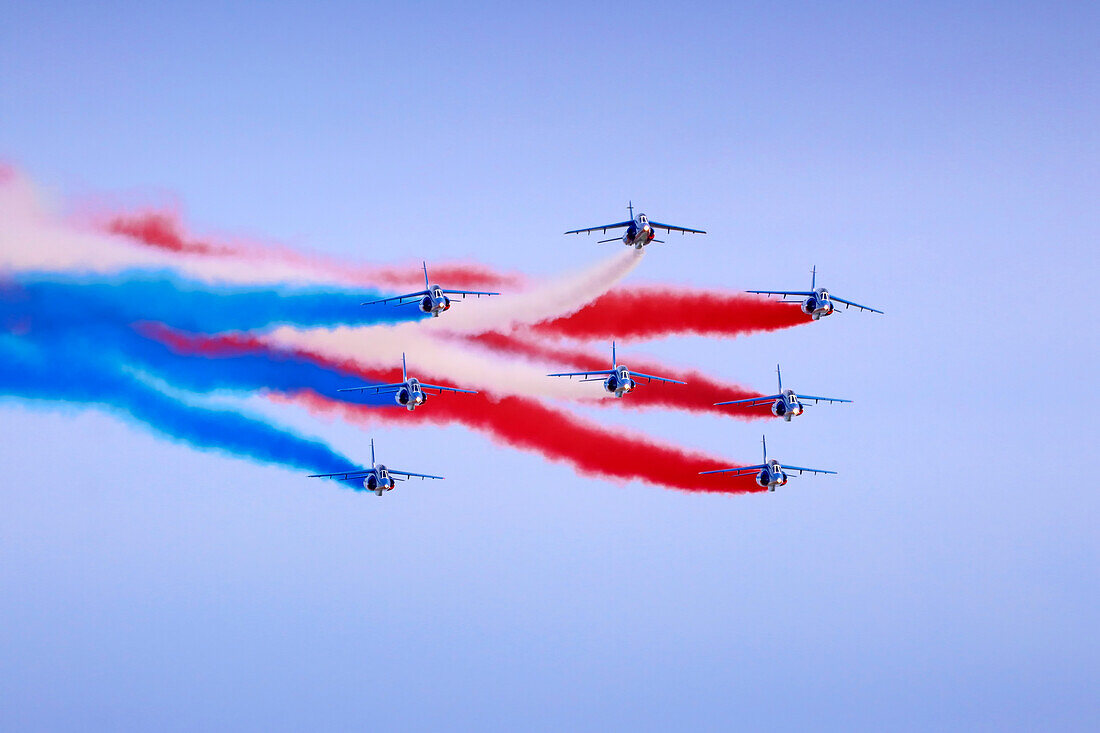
372,452
614,361
780,375
630,207
813,278
404,369
764,441
426,285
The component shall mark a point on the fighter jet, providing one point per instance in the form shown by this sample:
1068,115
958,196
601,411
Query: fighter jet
769,473
818,302
410,392
377,478
618,380
786,404
433,299
640,230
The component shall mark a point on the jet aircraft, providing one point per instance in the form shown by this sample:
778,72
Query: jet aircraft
640,230
770,473
377,478
410,392
818,302
786,404
618,380
433,299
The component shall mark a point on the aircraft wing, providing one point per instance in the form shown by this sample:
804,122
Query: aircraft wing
800,293
742,469
344,475
800,469
821,399
672,228
659,379
447,389
603,372
409,474
761,400
855,305
419,294
602,228
375,389
464,293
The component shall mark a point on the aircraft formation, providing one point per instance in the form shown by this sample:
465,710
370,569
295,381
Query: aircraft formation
619,381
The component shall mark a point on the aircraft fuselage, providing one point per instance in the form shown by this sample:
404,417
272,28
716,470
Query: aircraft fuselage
788,406
818,305
378,480
639,233
435,302
411,395
619,383
771,476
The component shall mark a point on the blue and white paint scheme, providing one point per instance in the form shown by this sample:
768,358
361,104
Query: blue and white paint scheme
618,380
818,302
770,473
640,230
410,392
377,478
786,404
433,299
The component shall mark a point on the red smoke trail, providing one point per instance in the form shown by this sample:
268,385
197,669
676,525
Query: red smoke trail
527,424
651,312
519,422
698,395
163,230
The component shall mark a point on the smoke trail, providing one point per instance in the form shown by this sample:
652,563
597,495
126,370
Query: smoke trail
163,230
516,421
190,305
643,313
698,394
363,349
557,436
46,370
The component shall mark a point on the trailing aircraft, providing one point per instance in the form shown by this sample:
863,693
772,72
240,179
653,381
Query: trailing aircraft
787,404
410,392
770,473
433,299
818,302
618,380
377,478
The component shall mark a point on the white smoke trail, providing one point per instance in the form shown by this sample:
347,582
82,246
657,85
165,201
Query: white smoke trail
559,296
456,365
34,237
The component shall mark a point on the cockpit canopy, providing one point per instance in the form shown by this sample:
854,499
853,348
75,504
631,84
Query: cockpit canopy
642,219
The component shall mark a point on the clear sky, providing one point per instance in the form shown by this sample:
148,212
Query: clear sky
937,160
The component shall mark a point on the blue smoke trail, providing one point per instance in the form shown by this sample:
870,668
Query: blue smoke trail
193,306
72,340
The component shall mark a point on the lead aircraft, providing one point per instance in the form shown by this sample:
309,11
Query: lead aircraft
433,299
410,392
787,404
618,380
640,230
377,478
818,302
770,473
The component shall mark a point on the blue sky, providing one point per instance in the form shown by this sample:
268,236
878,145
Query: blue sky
937,160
